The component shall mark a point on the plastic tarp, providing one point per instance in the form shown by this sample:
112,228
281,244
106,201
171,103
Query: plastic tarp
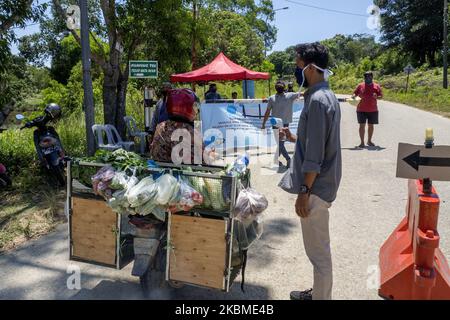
220,69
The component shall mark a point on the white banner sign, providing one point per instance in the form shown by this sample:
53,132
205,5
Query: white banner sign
238,124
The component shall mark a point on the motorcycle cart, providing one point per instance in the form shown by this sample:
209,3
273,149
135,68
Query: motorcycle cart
201,247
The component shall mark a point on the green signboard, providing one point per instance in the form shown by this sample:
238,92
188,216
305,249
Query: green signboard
144,69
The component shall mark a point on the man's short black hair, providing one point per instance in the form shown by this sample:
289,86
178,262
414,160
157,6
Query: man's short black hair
313,53
368,73
280,83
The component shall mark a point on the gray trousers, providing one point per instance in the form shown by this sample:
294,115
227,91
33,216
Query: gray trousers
316,239
281,148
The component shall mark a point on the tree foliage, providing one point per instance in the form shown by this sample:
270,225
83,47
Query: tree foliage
283,61
351,48
232,35
414,26
13,13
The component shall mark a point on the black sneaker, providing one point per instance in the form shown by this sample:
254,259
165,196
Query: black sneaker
302,295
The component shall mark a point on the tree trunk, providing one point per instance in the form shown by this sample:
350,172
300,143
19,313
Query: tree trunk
114,100
432,58
110,95
121,105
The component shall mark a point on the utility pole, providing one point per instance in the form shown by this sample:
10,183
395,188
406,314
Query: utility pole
195,14
445,53
87,80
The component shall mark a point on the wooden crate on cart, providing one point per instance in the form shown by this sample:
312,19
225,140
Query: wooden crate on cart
96,233
202,248
199,251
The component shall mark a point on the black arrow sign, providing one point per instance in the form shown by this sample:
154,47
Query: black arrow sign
416,161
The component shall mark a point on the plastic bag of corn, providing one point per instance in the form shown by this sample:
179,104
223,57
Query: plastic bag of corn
214,187
198,183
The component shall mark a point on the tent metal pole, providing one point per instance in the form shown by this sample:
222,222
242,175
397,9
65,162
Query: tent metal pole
246,89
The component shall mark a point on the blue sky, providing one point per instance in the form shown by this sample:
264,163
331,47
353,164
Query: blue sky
302,24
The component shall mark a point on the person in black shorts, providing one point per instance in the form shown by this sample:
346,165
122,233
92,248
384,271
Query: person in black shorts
367,110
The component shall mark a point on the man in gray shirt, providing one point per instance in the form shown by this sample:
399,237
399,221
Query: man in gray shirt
316,170
281,105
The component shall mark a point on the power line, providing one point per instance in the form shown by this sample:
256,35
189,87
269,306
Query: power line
326,9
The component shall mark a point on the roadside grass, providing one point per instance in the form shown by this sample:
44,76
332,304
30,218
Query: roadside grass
25,216
425,89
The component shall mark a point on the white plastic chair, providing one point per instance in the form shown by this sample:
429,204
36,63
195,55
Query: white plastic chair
100,132
135,133
114,141
117,139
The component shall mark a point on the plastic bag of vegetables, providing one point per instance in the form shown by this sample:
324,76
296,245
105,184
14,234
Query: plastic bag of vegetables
119,202
198,183
167,187
120,181
186,198
101,181
214,188
249,204
143,192
160,213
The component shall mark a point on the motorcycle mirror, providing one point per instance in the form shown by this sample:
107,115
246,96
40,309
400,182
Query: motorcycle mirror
20,117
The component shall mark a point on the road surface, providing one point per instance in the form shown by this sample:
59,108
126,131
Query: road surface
370,205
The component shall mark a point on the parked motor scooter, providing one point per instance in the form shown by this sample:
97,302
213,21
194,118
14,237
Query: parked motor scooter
5,180
47,142
149,243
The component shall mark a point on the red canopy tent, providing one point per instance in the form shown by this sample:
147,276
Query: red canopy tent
220,69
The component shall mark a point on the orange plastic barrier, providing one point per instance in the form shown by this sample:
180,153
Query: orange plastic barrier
412,267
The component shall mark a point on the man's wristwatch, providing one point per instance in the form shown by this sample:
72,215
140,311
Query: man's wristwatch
304,189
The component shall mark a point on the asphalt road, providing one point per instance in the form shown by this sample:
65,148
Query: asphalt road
371,203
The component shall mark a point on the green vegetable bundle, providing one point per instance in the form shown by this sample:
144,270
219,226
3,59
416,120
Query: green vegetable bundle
120,159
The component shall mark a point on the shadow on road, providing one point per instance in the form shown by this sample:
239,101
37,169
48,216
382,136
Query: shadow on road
123,290
48,280
375,148
264,252
111,290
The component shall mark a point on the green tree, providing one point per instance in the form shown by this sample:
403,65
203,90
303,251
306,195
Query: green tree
414,26
258,14
127,27
235,38
15,13
351,48
284,62
15,84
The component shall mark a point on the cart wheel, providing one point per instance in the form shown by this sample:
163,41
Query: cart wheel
153,282
154,285
175,284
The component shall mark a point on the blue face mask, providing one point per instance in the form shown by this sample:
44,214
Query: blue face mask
299,75
301,78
